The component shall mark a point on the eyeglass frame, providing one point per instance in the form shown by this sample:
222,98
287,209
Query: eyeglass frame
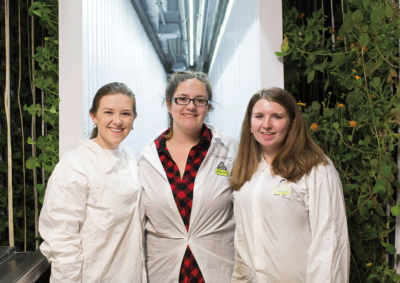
174,99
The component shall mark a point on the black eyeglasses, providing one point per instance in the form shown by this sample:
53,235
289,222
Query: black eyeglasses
186,100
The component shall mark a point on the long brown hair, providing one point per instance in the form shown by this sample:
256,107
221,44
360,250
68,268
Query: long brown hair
298,155
111,88
175,80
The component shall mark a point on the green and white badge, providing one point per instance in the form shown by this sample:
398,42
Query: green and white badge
282,189
221,170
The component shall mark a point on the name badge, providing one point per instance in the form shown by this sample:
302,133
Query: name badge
282,189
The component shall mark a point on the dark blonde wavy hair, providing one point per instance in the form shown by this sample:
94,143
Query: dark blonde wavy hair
111,88
298,155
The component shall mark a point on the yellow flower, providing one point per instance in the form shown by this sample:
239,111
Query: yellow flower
354,71
358,77
314,127
301,104
353,124
341,105
369,264
373,96
352,45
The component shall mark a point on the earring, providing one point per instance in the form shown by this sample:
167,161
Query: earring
95,126
132,127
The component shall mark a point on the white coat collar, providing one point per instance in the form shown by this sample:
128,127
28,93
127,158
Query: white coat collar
150,152
263,165
105,161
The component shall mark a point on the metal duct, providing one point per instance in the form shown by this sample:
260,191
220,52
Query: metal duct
165,24
137,4
182,14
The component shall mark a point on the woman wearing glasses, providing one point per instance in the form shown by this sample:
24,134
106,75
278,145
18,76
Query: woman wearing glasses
187,198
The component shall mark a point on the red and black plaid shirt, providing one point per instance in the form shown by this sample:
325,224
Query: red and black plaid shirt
182,189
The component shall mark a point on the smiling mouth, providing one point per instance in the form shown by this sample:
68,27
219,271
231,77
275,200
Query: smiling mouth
116,130
189,115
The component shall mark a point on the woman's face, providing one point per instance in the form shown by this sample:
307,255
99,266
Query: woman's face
270,125
114,120
188,118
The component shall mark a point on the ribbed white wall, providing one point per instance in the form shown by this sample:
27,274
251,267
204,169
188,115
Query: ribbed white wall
116,49
238,69
103,41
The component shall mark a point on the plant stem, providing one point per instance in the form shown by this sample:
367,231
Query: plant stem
7,109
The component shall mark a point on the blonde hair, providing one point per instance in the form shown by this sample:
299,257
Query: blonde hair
298,155
111,88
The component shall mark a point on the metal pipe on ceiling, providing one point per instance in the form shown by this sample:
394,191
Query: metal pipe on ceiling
165,24
203,36
137,4
184,30
219,18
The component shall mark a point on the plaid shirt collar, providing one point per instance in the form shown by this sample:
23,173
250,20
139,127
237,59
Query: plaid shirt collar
161,142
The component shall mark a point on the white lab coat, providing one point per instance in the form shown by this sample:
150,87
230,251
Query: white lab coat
295,232
90,220
212,223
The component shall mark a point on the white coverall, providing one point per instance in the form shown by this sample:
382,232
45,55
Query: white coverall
90,220
212,224
291,232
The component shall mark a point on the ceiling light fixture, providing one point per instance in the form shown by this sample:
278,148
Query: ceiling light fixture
191,16
199,27
221,32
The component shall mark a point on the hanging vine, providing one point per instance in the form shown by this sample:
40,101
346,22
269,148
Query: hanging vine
25,41
356,122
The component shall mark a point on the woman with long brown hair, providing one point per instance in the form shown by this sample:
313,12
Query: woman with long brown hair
291,222
90,221
187,198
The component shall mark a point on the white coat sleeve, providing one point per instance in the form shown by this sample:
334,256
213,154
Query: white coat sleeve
329,253
62,214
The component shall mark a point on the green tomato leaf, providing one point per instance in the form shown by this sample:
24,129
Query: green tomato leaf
280,54
390,249
358,16
379,209
310,59
367,140
33,162
364,28
386,170
379,187
310,76
376,82
364,39
389,12
377,15
328,113
315,105
30,141
395,210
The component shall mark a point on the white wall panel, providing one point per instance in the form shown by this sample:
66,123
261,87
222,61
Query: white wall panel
118,49
114,48
237,71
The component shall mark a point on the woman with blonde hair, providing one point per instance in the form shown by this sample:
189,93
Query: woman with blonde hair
90,221
187,198
291,222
